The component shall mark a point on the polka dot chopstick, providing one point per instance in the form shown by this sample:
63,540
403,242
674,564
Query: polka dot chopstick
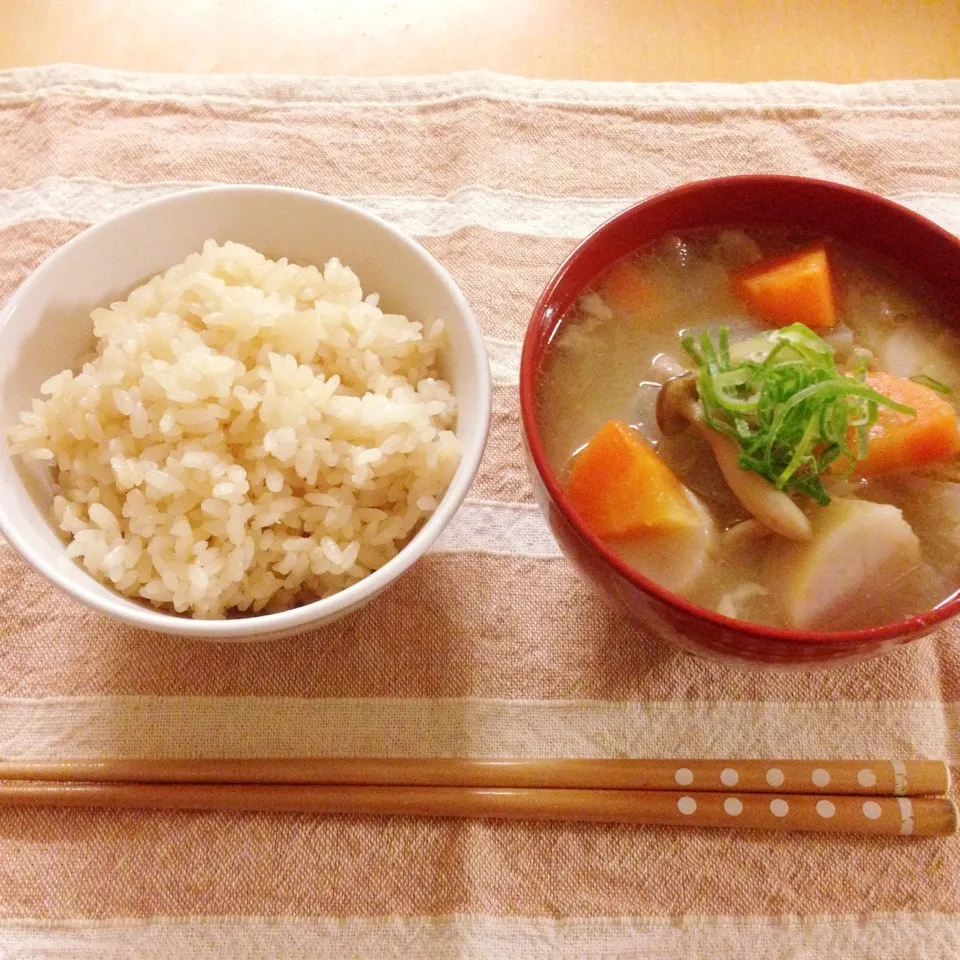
896,778
890,797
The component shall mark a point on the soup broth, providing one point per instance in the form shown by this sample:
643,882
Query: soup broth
610,358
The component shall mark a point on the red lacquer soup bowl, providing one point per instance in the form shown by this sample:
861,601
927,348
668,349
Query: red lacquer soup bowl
889,232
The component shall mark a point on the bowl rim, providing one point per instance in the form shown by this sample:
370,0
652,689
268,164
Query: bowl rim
257,627
534,345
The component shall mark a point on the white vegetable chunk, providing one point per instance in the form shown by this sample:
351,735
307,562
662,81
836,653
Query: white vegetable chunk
858,550
911,350
673,558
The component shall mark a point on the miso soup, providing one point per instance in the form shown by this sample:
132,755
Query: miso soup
764,423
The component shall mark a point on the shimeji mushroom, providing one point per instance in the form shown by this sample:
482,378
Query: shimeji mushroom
677,408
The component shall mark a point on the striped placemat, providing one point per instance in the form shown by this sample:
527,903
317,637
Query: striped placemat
491,645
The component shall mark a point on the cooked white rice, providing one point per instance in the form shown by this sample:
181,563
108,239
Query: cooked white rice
250,434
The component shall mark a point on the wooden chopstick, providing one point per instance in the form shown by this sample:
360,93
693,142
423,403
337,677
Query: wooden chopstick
891,816
896,778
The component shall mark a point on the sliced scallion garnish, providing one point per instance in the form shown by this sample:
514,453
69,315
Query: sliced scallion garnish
937,385
781,397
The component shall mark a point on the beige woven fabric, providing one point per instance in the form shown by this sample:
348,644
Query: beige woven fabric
491,645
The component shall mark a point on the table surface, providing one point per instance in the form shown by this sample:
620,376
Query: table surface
647,40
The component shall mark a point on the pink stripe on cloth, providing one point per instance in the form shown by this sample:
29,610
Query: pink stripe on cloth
554,642
141,865
431,149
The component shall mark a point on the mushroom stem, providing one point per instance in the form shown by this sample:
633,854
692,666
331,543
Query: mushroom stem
772,507
677,408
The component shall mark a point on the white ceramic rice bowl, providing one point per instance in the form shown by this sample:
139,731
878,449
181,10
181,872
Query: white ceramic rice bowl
46,327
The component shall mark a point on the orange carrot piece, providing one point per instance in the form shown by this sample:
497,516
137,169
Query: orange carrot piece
794,289
897,440
625,289
620,487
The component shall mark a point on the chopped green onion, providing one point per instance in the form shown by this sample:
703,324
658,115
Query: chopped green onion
926,381
781,397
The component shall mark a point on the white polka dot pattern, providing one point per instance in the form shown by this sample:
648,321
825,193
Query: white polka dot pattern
779,808
684,777
818,795
826,777
732,806
820,777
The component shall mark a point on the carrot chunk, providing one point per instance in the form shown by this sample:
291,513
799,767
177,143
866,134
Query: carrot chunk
625,289
620,487
897,440
794,289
